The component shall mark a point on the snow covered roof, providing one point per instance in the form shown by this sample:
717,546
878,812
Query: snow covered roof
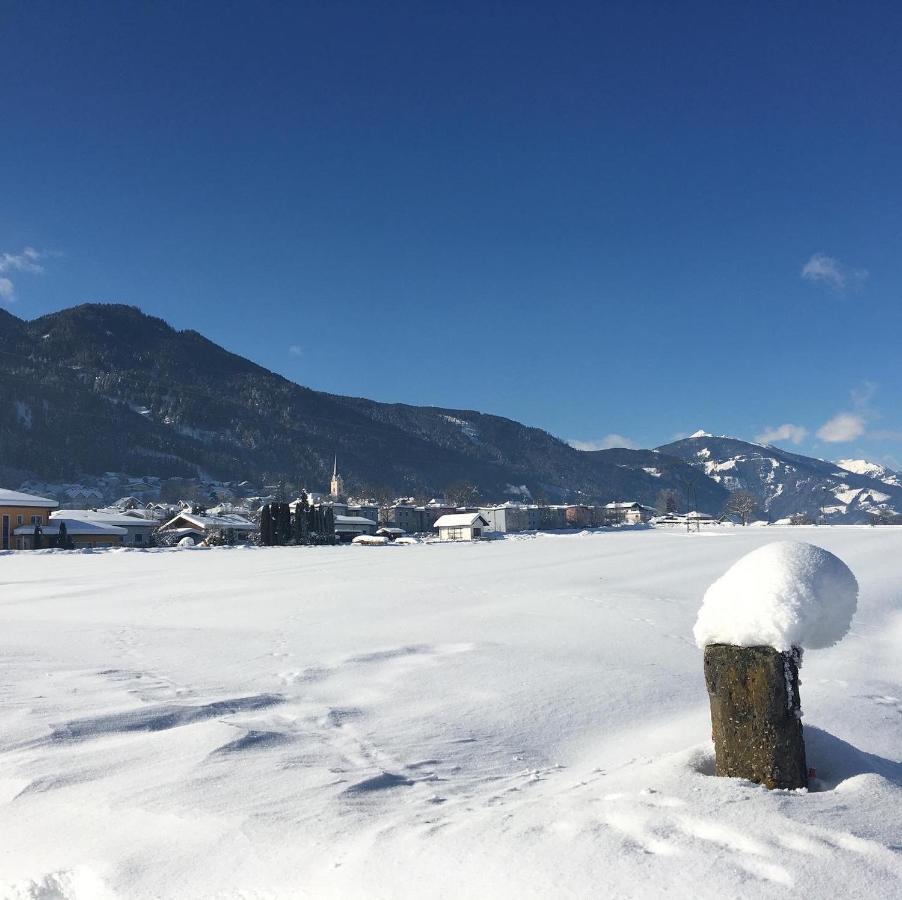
354,520
73,526
106,516
230,520
623,504
16,498
460,520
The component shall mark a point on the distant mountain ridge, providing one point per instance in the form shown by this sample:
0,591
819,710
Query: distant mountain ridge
787,484
103,388
98,388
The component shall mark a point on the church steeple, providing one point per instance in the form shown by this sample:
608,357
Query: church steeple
337,486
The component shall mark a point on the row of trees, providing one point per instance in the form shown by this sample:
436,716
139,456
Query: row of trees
742,504
308,525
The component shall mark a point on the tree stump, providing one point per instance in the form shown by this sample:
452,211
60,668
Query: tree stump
756,715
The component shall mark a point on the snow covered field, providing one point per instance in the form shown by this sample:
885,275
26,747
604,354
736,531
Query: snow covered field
521,718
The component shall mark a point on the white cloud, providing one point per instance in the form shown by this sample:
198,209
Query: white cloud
823,269
296,350
26,261
845,426
605,443
795,434
863,394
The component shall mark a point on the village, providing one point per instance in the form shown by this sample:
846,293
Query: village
31,522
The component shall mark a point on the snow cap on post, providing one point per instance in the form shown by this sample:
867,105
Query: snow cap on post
782,595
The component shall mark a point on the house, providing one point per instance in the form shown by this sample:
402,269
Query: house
367,510
390,532
138,529
553,517
349,527
18,509
433,511
627,512
81,533
508,517
533,518
402,515
690,519
461,526
200,526
578,515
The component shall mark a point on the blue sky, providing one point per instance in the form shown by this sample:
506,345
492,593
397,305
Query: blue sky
617,221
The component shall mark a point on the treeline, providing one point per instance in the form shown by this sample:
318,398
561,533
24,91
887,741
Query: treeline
308,525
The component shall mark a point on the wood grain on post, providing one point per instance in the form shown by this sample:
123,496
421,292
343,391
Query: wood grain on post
755,714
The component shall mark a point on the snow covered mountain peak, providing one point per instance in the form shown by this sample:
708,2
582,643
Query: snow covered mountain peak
871,470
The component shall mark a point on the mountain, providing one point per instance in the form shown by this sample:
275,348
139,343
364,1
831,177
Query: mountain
872,470
105,388
786,483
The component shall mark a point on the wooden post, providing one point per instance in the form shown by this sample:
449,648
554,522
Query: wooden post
755,714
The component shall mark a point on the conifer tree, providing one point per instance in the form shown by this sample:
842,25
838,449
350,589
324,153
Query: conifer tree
266,529
329,526
283,523
301,525
63,541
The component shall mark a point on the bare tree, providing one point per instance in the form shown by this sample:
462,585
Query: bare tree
884,516
742,504
462,493
666,502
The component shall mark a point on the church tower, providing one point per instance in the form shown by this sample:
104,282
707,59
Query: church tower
337,487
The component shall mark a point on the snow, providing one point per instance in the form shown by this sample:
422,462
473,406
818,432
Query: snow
783,595
103,516
74,526
870,469
521,718
467,428
17,498
701,433
203,521
459,520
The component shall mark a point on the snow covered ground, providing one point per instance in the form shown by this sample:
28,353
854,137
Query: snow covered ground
520,718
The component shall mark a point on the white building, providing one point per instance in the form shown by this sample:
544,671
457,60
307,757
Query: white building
138,530
461,526
508,517
200,526
628,512
349,527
